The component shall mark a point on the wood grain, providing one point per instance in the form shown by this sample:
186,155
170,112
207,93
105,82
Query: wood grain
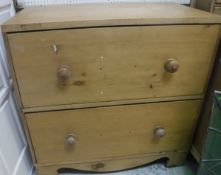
109,64
111,103
177,158
113,90
72,16
110,132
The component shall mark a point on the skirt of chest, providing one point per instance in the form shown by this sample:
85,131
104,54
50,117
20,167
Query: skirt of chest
110,98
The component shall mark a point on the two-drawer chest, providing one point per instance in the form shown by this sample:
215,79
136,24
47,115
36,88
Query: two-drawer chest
106,87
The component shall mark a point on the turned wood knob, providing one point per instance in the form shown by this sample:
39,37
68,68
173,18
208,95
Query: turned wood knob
159,132
171,65
63,73
70,140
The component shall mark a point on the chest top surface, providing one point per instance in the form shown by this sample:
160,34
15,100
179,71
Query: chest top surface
92,15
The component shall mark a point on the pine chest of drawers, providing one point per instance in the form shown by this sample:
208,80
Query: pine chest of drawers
109,87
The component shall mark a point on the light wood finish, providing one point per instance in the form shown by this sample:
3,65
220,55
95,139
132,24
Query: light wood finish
70,16
110,86
108,64
174,158
172,65
111,103
112,131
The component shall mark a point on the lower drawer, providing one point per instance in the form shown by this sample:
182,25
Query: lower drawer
107,132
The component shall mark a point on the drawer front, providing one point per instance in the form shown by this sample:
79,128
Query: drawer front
115,63
108,132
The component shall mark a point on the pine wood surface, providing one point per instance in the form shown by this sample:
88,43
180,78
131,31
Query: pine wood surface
174,158
112,131
111,64
118,91
111,103
70,16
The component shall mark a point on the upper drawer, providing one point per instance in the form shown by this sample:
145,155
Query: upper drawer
111,63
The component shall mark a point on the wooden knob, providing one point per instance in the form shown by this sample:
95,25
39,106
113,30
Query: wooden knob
70,140
63,73
159,132
171,65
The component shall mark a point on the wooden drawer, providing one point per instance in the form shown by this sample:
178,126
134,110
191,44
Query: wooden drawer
111,63
109,132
